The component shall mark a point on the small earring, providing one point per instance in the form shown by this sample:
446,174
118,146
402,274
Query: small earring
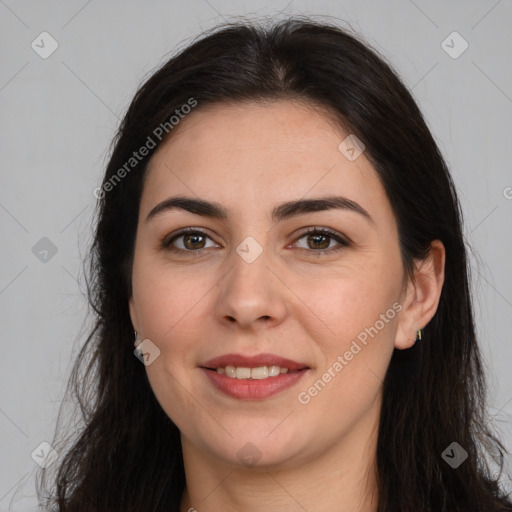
137,344
418,337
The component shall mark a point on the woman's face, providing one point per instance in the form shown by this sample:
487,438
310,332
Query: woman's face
252,287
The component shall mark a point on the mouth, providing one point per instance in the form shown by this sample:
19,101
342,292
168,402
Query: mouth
253,377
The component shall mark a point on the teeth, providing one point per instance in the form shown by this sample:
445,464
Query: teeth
243,373
230,371
274,371
259,373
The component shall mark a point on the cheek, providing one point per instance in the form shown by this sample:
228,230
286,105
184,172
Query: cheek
170,305
343,305
167,299
355,338
354,360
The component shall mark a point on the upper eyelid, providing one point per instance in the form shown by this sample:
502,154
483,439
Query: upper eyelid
325,231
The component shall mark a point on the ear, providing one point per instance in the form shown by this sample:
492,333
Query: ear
421,297
133,315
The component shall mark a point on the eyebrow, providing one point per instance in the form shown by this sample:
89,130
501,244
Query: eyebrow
280,212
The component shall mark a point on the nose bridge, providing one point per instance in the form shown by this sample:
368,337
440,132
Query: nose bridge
249,271
250,291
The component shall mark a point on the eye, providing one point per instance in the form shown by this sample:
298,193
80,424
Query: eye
320,240
188,240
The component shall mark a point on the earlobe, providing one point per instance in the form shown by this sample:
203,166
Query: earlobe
422,296
133,316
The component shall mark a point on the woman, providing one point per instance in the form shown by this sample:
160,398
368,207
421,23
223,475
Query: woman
279,232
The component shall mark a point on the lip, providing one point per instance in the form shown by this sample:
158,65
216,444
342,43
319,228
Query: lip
248,389
253,389
253,361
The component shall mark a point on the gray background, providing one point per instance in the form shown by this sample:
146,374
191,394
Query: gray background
59,114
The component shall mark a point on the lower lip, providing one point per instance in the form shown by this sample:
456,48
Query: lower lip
253,389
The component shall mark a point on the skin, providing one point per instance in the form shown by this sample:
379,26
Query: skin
290,301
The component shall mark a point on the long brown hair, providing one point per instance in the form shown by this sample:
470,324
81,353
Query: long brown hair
127,455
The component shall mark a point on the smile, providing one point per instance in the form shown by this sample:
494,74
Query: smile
252,377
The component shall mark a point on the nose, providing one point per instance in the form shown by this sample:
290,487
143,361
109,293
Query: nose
251,294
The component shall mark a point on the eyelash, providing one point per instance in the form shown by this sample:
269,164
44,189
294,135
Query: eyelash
343,243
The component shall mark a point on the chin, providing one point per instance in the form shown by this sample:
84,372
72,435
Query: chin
259,447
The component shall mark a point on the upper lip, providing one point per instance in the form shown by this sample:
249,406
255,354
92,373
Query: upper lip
253,361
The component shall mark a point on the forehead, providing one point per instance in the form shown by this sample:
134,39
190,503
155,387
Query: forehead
247,155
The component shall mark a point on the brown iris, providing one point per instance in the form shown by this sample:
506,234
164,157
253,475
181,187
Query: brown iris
317,238
193,238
